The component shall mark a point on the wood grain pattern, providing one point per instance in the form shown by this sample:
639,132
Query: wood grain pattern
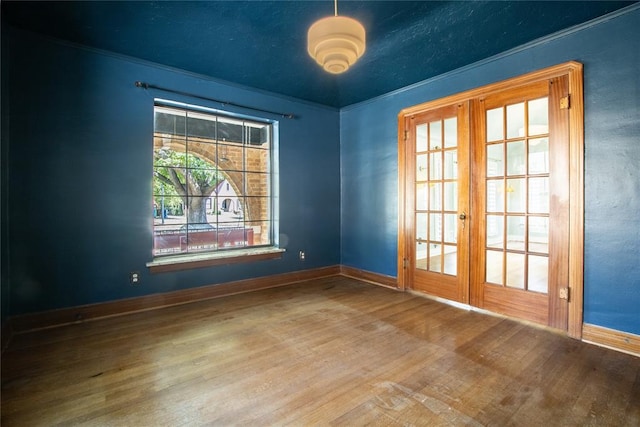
369,277
78,314
406,198
559,198
332,351
621,341
576,205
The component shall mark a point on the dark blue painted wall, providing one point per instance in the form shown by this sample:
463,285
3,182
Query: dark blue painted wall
610,52
80,143
4,276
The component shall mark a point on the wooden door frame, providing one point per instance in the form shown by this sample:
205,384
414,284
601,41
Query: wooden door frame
451,287
573,70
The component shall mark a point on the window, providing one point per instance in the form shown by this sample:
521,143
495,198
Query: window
212,182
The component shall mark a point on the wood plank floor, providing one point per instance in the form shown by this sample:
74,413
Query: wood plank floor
333,351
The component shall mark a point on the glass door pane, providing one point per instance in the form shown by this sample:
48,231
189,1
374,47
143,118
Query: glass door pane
517,196
437,196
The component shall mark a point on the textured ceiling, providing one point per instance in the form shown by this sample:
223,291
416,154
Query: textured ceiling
262,44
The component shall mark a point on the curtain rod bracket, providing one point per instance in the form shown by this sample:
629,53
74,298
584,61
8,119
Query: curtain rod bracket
223,103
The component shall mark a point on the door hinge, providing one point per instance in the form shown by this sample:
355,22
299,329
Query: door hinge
406,133
564,293
405,263
565,102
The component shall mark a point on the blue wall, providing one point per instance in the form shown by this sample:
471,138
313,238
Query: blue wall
610,52
76,138
80,160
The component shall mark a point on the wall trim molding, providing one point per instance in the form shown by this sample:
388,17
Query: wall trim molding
65,316
369,277
614,339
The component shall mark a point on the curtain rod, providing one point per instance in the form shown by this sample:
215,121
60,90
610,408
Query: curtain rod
233,104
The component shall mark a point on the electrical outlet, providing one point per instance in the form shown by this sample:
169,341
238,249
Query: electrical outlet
134,278
301,255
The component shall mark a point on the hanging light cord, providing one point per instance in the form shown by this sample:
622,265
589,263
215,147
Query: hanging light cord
335,2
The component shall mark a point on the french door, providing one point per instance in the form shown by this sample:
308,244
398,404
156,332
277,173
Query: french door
491,198
439,255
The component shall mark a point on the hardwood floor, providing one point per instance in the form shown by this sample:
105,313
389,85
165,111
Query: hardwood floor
333,351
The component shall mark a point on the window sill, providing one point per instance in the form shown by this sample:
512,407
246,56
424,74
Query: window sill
189,261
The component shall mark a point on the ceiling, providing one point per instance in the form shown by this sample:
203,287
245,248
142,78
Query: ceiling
262,44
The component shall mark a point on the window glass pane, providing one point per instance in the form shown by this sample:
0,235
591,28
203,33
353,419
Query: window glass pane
200,155
163,179
256,184
257,233
227,200
225,216
202,214
515,120
450,196
234,237
539,155
538,276
495,231
200,239
435,135
493,267
256,208
495,195
515,232
229,156
174,156
201,126
205,166
451,132
435,258
230,130
421,167
515,270
421,196
539,234
435,163
435,227
539,116
170,121
539,195
451,164
516,158
421,256
516,195
495,160
421,226
450,260
256,159
168,239
435,196
495,125
258,135
421,138
450,228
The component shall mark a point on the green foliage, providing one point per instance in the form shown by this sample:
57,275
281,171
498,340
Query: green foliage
175,171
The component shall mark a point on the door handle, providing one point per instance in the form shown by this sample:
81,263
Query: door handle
463,218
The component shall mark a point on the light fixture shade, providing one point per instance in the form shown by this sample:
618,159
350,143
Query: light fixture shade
336,43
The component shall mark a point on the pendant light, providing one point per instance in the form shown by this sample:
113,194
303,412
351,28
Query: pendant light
336,42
